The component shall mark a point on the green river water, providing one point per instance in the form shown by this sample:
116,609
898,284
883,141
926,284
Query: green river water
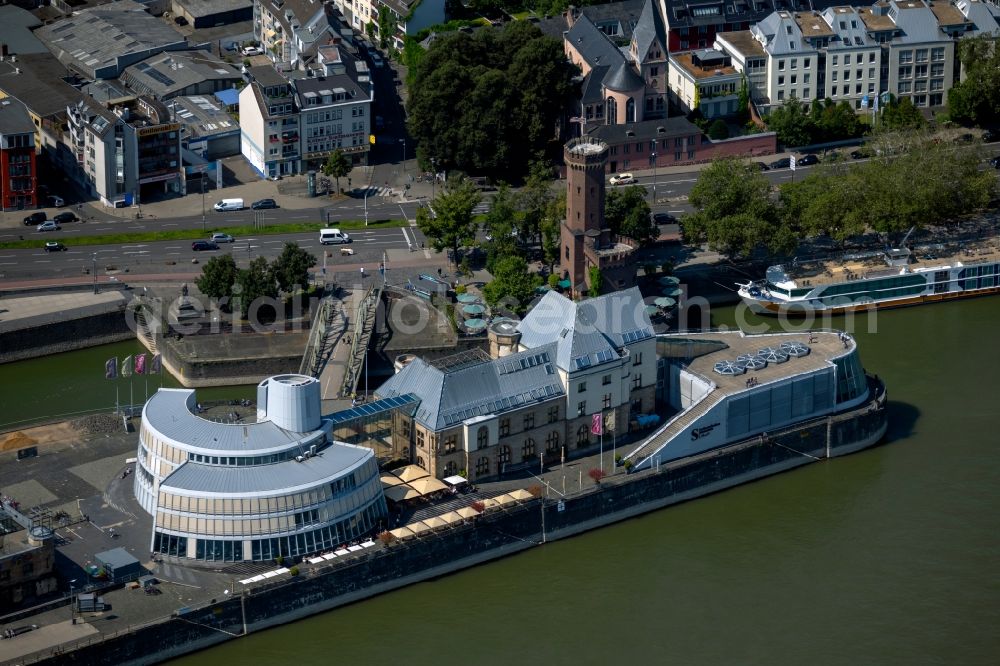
888,556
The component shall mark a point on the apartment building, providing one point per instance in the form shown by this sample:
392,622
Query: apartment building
902,47
127,150
291,31
408,17
704,79
18,171
291,126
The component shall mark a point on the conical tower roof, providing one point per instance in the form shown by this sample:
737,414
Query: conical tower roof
624,79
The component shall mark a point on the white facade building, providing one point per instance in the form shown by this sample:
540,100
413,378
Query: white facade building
230,492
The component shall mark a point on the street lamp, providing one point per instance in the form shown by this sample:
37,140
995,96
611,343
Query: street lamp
72,602
652,157
366,205
403,141
434,176
203,201
94,271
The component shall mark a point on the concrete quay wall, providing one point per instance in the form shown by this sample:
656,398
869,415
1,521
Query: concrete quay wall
66,334
498,533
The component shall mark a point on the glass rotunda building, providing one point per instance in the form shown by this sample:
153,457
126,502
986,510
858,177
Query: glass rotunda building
231,492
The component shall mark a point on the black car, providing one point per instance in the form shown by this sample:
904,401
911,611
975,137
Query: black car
55,246
664,218
197,246
783,163
965,138
858,155
35,218
991,136
807,160
264,204
995,162
63,218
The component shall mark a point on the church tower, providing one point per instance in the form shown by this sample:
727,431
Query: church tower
585,163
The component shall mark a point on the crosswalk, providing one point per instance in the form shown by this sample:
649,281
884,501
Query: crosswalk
483,207
373,191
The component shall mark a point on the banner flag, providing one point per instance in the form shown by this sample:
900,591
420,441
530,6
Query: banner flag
111,368
595,424
155,364
140,364
127,367
609,421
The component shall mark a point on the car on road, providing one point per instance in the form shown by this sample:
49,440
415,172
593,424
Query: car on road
54,246
377,60
807,160
55,201
664,218
995,162
252,51
991,136
783,163
859,154
263,204
35,218
222,238
64,217
48,225
198,246
623,179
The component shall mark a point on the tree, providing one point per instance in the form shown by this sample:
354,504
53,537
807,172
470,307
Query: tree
627,214
256,281
838,121
535,198
337,165
513,284
555,213
976,98
900,114
218,276
718,130
734,211
500,226
450,226
596,280
291,267
743,103
486,102
791,124
386,26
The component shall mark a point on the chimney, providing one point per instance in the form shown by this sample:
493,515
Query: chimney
572,13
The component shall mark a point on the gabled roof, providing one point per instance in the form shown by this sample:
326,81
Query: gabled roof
592,90
14,118
649,29
916,20
589,332
984,16
592,44
449,397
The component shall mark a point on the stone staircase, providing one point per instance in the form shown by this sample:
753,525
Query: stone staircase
674,427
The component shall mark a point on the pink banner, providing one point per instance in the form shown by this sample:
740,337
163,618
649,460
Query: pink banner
595,424
140,364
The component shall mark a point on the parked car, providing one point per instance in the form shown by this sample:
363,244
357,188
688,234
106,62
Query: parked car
54,246
377,60
35,218
807,160
263,204
198,246
859,154
783,163
995,162
623,179
760,166
64,217
55,201
252,51
965,138
222,238
991,136
664,218
49,225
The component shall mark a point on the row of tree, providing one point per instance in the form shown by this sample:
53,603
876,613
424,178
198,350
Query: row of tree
488,102
221,279
912,180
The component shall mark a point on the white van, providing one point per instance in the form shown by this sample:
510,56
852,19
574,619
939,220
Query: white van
229,204
333,236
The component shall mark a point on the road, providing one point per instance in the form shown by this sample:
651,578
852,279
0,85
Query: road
177,256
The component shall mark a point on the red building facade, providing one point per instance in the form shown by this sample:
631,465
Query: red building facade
18,169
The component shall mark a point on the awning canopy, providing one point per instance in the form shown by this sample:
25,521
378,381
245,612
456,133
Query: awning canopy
410,473
455,480
389,480
434,521
401,532
401,493
467,512
452,517
417,528
521,494
427,485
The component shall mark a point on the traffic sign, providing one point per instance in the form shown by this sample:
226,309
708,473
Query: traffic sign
791,162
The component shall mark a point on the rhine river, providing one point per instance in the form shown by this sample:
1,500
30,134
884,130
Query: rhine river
888,556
